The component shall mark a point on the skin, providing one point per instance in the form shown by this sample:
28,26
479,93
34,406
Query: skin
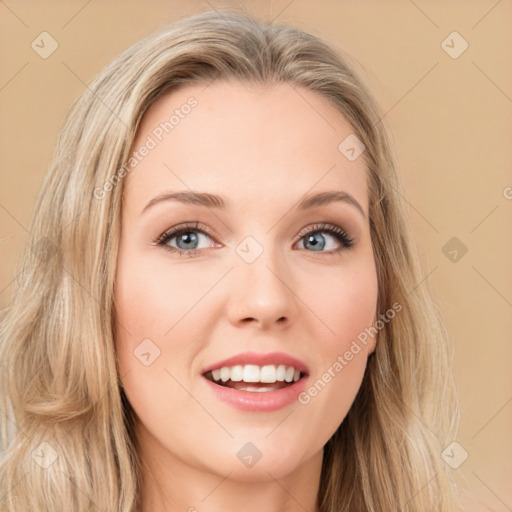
262,149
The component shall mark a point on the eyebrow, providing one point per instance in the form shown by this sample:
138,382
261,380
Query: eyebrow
218,202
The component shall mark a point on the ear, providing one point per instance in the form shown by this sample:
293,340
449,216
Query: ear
371,344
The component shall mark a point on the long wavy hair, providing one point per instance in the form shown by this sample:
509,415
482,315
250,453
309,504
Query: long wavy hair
67,428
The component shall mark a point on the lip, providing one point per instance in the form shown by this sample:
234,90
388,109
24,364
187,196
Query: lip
275,358
253,401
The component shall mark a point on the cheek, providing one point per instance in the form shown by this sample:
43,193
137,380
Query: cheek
152,299
155,330
147,307
347,308
346,303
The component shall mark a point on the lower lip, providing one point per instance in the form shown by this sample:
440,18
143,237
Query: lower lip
254,401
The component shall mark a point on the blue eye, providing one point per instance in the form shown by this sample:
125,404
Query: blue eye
187,238
315,239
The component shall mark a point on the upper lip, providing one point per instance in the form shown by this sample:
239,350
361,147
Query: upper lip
275,358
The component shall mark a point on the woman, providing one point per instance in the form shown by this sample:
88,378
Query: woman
221,304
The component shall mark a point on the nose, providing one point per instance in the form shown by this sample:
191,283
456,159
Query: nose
262,293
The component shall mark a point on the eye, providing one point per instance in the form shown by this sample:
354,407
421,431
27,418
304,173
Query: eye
314,239
187,239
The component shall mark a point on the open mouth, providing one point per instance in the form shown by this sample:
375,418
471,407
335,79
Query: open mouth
255,378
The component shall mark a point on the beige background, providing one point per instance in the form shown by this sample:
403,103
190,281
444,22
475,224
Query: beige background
451,120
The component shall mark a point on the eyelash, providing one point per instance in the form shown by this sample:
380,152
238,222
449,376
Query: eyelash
338,233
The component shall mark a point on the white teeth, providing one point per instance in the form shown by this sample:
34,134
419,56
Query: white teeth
237,373
255,389
281,372
251,373
267,374
225,373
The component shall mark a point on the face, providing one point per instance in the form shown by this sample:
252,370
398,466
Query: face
260,278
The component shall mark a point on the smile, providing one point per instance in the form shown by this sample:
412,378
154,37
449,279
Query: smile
254,378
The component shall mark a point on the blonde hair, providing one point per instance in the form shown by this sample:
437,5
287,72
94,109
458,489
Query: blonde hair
59,380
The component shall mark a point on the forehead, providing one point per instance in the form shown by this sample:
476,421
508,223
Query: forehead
262,142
